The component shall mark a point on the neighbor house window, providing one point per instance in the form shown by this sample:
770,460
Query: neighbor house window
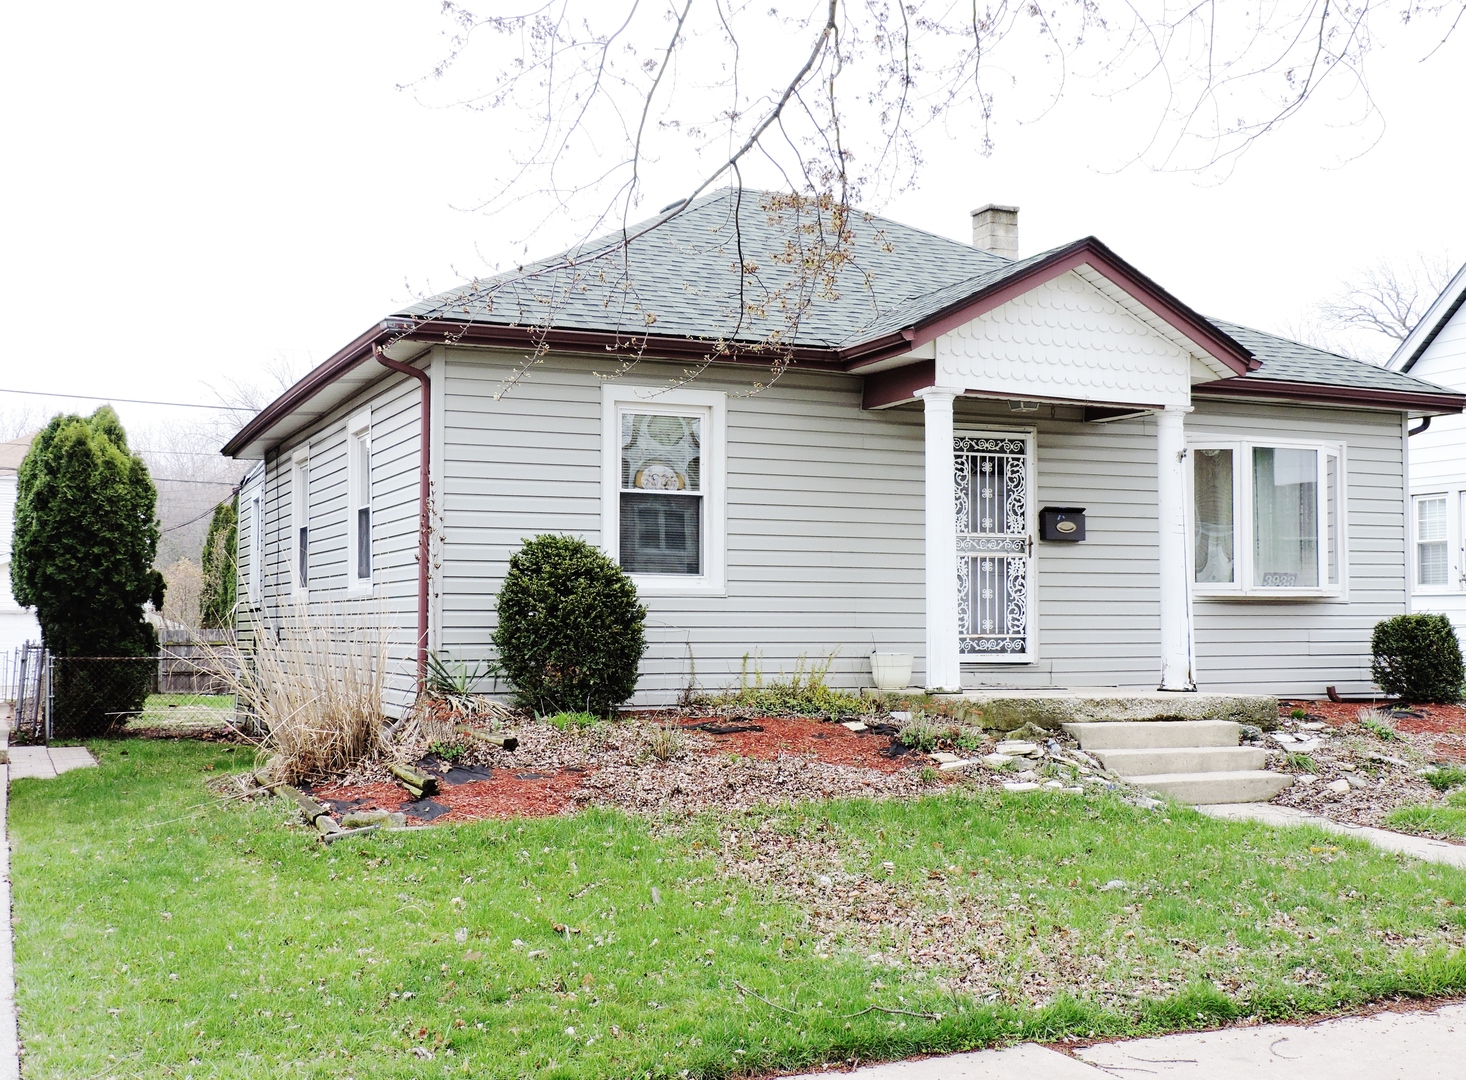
300,521
1267,519
1432,557
663,487
359,500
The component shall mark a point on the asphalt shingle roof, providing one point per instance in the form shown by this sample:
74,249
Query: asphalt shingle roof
682,276
1292,361
680,279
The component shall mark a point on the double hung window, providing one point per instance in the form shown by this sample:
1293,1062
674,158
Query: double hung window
300,521
256,581
662,487
359,502
1267,519
1432,543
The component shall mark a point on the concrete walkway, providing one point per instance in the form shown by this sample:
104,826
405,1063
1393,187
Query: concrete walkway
47,762
1385,1046
1420,847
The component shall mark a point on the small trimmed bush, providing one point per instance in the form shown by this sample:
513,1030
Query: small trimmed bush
1418,658
570,635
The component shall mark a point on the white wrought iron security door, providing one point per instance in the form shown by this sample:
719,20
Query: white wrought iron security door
994,546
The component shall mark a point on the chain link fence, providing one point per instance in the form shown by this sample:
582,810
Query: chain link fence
23,677
183,691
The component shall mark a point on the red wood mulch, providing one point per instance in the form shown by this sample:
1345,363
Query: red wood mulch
524,792
1448,722
831,743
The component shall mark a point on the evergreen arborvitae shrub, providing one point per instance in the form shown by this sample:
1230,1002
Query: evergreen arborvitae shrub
216,602
570,633
1418,658
82,556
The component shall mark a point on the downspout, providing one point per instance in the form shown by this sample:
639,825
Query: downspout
424,511
1424,423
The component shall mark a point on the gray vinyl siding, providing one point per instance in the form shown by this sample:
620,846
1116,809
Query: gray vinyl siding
824,518
824,531
824,534
392,605
1300,647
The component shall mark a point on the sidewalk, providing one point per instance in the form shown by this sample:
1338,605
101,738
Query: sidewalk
1419,847
45,763
1384,1046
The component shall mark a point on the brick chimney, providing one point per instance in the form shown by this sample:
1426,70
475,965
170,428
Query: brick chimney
995,229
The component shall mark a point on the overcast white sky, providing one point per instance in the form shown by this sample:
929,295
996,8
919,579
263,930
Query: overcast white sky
196,190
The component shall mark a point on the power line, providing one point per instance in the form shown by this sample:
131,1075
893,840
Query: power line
180,480
129,401
191,521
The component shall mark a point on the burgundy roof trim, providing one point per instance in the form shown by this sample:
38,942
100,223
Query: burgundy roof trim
316,380
1091,252
1324,393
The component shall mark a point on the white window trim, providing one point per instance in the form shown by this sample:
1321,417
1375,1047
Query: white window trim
1030,436
1242,542
1453,545
358,432
299,517
254,584
712,405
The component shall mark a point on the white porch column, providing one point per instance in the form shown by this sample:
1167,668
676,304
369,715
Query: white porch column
943,663
1177,654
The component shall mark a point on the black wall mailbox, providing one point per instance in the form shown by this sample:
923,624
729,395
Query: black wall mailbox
1061,523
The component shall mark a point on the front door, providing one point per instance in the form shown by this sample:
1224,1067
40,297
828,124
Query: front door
994,545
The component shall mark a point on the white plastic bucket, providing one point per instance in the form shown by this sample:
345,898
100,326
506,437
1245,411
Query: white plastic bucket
891,670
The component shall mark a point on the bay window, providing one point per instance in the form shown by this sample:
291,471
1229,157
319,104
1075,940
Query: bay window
662,487
1267,519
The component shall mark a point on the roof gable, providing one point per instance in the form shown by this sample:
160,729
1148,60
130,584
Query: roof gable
1436,318
1066,337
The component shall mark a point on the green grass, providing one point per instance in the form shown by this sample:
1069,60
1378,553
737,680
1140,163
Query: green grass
1448,777
162,933
568,720
185,710
1440,819
1302,762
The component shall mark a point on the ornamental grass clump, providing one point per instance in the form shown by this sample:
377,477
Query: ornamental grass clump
1417,658
571,630
315,689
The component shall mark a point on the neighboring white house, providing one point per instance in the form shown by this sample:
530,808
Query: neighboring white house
911,482
17,624
1436,351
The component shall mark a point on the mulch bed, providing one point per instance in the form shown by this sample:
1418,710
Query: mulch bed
554,772
1424,735
830,743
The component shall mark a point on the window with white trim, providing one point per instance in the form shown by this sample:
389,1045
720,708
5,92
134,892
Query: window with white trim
1267,518
1432,542
300,521
359,501
256,578
662,496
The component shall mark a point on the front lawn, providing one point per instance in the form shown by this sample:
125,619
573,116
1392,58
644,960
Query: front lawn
1446,818
160,932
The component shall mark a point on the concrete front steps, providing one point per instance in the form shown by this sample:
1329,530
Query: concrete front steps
1193,761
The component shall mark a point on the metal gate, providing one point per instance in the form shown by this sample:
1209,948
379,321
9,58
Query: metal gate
994,546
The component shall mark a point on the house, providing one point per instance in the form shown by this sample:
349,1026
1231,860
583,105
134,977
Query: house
17,624
1026,472
1436,350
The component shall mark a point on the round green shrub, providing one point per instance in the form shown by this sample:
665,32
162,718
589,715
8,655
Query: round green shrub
570,634
1418,658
